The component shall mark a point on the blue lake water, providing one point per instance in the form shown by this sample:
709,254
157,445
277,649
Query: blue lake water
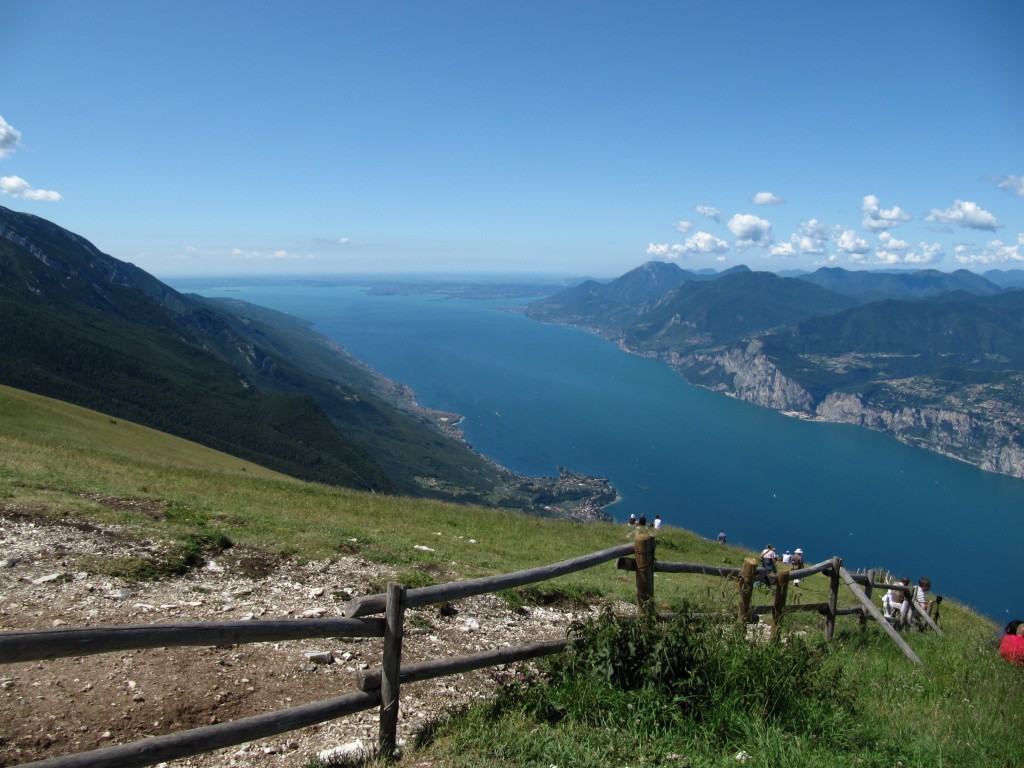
536,397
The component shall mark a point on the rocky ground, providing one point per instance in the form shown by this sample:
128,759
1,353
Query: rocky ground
69,705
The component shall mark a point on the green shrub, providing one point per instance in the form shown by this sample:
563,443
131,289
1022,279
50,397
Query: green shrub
644,690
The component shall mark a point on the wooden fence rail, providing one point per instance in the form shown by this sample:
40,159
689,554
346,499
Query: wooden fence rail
381,687
36,645
456,590
172,746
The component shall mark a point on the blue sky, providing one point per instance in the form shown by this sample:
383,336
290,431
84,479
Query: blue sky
578,138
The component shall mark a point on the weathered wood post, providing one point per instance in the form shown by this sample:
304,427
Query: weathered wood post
867,594
644,555
746,588
833,598
781,587
391,664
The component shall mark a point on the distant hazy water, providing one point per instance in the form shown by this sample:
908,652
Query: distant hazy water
537,396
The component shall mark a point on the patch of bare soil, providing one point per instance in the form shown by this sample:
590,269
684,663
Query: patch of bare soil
76,704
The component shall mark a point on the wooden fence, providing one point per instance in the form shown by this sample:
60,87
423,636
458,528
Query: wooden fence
381,687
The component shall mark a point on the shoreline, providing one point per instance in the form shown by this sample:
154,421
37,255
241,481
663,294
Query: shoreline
570,495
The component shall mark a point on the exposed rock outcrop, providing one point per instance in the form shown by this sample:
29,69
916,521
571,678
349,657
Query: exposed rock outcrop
986,438
972,437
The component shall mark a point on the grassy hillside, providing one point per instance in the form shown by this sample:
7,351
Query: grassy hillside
84,327
57,460
856,701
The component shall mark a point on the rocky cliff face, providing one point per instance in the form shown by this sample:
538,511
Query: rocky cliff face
970,436
969,433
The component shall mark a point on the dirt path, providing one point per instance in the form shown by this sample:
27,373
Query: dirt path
69,705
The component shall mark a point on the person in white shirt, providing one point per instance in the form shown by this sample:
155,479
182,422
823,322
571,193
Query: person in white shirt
657,522
768,558
897,604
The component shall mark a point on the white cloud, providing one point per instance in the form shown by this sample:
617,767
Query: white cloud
711,212
682,227
276,255
343,241
704,242
888,257
966,214
891,243
849,242
899,252
927,253
810,239
663,249
698,243
766,198
750,230
9,138
785,250
994,252
1010,183
875,217
15,186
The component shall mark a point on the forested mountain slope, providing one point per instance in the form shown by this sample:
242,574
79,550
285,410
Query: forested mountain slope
82,326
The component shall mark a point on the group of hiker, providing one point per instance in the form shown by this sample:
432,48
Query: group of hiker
770,559
896,603
641,521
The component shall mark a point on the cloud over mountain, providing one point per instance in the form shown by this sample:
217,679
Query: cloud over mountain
750,230
875,217
966,214
15,186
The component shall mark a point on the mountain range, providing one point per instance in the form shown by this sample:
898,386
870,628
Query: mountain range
81,326
935,359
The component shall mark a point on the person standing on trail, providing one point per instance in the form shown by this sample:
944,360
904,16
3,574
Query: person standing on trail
721,538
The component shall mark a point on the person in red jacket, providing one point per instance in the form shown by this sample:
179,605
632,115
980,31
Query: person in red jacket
1011,647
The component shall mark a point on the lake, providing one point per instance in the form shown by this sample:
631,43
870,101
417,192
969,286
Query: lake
536,397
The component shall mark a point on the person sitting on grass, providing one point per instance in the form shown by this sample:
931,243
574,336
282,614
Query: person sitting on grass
1011,647
920,597
897,604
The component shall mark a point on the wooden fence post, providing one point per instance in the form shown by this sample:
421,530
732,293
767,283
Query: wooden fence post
867,593
644,554
746,588
833,598
391,664
781,587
